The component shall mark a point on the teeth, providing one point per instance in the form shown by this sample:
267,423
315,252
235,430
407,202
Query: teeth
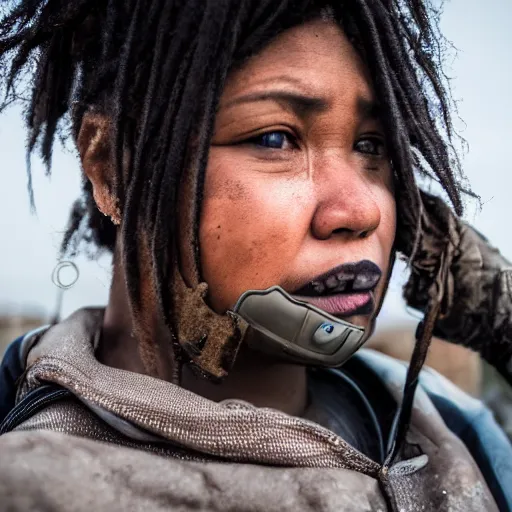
331,282
364,281
318,287
342,284
361,280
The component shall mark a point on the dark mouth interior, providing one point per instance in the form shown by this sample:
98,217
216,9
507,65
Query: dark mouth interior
343,286
345,279
308,291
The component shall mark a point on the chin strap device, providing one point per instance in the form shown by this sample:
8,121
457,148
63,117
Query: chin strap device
297,331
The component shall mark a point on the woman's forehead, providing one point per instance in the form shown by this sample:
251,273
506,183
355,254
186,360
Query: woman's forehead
315,59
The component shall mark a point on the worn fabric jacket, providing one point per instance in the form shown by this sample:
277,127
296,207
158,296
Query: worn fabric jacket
170,449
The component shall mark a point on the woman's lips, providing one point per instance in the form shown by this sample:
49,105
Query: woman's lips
343,305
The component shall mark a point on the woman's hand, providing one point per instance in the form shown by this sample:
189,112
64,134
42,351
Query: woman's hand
476,309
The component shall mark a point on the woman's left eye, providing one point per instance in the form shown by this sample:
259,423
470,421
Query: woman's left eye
274,140
373,146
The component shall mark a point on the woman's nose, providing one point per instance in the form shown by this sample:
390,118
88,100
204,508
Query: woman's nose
346,202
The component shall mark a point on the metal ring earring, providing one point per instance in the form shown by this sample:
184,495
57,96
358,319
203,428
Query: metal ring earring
57,278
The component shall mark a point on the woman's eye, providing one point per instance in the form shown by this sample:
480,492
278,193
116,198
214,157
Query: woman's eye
373,146
274,140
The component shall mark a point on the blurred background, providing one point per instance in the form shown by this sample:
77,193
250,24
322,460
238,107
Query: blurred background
481,80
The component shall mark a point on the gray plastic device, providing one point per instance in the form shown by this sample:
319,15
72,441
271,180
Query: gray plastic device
297,330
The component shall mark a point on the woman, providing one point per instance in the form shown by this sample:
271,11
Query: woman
251,165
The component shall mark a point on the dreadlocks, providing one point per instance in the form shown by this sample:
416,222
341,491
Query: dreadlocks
156,69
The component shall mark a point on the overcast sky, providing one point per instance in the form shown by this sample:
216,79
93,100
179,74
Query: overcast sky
482,84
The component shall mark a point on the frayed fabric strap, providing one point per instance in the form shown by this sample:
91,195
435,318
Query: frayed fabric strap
423,339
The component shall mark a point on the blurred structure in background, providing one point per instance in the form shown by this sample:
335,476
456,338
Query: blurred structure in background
13,325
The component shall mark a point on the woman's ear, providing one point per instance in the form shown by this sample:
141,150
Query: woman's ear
94,144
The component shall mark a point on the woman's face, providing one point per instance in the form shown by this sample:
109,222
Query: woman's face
298,180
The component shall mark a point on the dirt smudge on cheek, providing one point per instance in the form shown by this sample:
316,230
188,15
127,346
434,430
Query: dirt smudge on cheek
219,185
236,190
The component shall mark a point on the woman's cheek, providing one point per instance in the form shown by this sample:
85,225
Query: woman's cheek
265,218
251,229
389,217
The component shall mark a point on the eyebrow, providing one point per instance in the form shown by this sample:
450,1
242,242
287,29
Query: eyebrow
303,106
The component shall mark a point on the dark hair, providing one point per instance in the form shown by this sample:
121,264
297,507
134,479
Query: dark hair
156,68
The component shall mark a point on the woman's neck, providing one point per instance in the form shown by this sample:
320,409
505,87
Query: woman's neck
258,380
255,378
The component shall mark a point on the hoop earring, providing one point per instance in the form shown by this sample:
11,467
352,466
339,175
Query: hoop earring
57,278
62,286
